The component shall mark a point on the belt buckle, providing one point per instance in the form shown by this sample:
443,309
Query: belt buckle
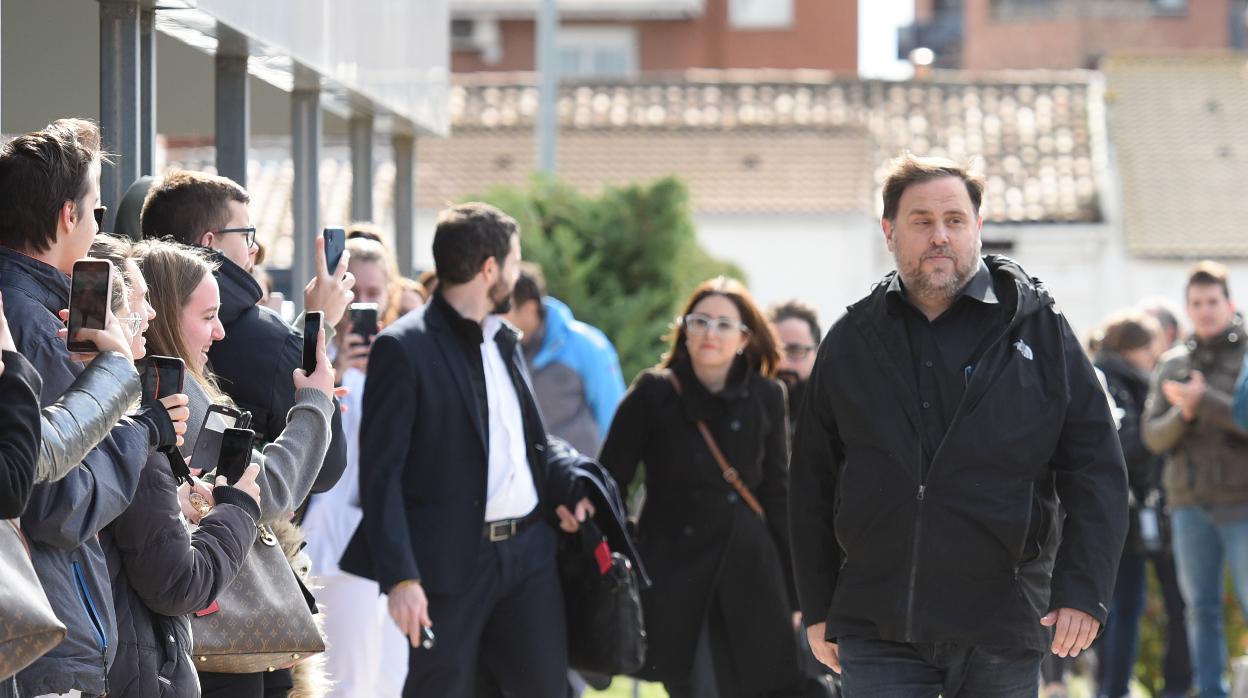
502,530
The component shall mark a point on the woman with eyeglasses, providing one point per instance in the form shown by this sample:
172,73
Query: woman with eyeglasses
159,569
720,617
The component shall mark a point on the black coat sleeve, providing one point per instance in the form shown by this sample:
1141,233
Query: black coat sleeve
626,439
814,468
390,412
1091,481
773,491
19,433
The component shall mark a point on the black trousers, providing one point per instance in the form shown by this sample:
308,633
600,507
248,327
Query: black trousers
509,617
272,684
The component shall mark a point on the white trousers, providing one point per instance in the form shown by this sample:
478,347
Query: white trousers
365,654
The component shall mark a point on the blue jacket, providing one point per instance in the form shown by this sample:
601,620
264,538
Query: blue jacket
576,377
63,518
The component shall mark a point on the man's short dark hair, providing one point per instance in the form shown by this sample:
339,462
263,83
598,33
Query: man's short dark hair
530,286
39,172
797,310
911,170
466,236
1209,273
185,205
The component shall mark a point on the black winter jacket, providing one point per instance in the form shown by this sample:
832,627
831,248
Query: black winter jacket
19,425
975,551
1128,386
255,363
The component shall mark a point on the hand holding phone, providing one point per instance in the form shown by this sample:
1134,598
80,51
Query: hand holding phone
312,321
208,442
161,376
90,297
235,454
330,290
365,321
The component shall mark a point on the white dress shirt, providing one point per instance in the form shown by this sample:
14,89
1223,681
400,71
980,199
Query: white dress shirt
510,493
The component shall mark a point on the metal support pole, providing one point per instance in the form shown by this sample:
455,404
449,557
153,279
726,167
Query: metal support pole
305,136
233,105
404,202
119,100
547,86
147,91
362,167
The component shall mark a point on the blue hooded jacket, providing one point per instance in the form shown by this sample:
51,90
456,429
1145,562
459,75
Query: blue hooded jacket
576,377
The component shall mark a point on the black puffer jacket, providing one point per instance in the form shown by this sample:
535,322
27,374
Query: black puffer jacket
255,363
971,551
161,573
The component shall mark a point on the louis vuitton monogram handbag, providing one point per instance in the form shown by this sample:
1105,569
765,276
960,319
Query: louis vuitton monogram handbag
262,621
28,627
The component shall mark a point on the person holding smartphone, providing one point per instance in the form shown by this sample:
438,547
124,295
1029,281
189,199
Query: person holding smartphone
1188,418
259,352
49,190
187,300
365,653
161,572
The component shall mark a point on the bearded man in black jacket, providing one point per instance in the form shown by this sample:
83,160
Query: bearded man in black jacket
947,413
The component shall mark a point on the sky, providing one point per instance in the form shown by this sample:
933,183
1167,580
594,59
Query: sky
877,37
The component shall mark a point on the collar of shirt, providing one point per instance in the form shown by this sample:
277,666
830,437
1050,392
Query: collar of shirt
467,330
979,288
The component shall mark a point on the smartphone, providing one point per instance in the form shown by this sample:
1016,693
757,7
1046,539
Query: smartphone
208,443
160,376
235,454
364,320
335,243
426,638
90,295
311,331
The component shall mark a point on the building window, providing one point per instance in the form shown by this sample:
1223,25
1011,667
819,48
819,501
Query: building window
760,14
597,51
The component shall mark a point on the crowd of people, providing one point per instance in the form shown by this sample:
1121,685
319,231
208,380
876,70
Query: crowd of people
942,492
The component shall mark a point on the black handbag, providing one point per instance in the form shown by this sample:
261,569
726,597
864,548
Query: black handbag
606,632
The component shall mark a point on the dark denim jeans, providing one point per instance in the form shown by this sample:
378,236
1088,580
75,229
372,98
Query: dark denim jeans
881,669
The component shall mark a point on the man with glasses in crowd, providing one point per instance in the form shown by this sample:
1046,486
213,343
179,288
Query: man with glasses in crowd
797,326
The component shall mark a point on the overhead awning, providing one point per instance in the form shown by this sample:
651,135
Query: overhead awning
389,57
581,9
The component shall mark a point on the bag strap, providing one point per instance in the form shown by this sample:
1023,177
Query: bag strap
730,473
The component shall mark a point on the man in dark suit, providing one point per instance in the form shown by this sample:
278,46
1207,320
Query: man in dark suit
459,498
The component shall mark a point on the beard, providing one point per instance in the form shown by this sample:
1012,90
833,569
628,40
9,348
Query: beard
936,285
500,296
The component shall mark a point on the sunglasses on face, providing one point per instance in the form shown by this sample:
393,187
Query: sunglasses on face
699,324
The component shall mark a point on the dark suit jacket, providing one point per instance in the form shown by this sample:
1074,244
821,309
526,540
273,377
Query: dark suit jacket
424,457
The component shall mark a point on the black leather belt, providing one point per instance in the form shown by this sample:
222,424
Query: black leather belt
501,530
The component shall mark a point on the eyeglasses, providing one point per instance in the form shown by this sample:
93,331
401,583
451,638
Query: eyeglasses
700,324
132,323
797,352
249,231
100,212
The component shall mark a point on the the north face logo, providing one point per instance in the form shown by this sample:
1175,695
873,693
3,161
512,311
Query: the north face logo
1025,350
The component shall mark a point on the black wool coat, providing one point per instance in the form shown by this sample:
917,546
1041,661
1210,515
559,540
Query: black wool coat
701,543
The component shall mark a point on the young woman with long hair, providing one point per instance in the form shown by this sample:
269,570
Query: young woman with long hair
185,295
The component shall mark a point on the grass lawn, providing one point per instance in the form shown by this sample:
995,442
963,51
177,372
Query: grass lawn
622,687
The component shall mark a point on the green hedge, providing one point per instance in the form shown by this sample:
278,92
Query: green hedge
624,260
